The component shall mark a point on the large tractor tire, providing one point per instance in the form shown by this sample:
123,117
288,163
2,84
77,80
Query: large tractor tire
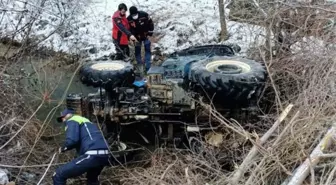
107,74
232,79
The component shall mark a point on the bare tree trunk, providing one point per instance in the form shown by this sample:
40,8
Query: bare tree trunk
223,33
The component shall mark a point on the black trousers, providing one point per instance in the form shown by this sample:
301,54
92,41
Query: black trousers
91,164
122,51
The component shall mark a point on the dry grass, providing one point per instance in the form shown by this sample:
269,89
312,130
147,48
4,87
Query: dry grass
304,80
304,77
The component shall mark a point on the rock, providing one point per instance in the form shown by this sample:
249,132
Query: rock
235,47
179,42
235,145
93,50
214,139
42,24
28,176
6,76
11,183
3,177
157,56
67,34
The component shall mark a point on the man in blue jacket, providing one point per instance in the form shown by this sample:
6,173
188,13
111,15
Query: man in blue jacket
142,27
91,147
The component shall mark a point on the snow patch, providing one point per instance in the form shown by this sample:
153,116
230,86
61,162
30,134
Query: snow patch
3,176
84,27
312,45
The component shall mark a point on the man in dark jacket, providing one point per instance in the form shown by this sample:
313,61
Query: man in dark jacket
121,33
141,26
90,145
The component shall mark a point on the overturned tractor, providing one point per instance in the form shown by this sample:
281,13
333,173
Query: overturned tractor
164,108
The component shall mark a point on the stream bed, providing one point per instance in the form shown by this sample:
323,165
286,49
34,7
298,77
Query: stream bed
50,80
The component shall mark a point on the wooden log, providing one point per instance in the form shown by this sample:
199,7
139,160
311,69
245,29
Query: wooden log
301,173
254,151
262,162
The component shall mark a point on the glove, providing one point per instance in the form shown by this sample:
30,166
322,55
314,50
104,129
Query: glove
62,149
132,38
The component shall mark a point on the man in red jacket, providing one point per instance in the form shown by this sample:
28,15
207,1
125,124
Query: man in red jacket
121,33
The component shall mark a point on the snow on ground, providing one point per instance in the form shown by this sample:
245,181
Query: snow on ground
312,45
87,25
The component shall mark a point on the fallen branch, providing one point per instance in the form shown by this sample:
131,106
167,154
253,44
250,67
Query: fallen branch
30,166
328,155
256,4
167,169
47,169
187,176
23,126
254,151
303,170
262,162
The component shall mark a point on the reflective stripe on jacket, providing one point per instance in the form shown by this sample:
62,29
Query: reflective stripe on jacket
83,135
79,119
